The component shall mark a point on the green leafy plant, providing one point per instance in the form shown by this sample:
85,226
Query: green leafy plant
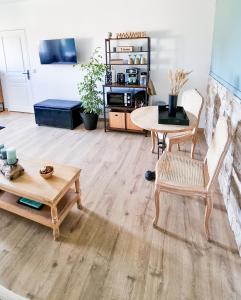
90,96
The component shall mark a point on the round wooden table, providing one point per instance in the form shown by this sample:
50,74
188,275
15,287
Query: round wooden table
147,118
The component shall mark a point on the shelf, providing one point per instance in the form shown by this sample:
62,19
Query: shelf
137,38
125,130
127,52
126,86
9,203
122,64
120,108
128,65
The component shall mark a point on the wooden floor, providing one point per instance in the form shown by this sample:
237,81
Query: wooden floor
110,250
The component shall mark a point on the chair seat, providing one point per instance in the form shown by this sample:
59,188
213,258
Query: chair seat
181,172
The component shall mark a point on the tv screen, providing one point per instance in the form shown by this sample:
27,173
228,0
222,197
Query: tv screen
60,51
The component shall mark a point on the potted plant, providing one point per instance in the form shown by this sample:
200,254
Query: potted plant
91,97
177,81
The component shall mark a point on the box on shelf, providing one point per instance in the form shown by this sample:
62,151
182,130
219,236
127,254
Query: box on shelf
118,61
125,49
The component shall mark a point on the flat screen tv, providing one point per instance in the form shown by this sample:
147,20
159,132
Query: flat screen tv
59,51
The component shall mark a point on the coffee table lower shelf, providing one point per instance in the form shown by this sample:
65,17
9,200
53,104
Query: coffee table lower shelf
9,203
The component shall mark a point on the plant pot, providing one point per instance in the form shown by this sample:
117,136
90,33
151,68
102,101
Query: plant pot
172,108
90,120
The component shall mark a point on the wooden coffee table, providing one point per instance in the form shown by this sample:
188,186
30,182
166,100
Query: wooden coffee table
56,193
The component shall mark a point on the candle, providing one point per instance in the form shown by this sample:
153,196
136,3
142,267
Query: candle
3,152
11,156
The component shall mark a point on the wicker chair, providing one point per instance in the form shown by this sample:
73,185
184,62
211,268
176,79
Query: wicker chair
192,102
179,174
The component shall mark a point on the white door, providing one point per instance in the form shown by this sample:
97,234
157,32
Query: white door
14,71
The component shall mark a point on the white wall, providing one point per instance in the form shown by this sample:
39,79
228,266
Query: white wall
181,32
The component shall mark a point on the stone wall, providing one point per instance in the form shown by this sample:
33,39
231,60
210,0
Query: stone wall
220,101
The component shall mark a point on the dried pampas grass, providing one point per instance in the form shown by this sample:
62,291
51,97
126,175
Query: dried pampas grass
177,80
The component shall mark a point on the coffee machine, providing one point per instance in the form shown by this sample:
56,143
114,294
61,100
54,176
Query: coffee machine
132,76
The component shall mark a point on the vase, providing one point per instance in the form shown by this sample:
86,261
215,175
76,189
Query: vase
172,107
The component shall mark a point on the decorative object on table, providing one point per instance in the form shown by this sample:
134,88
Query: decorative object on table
3,156
11,156
130,35
90,96
177,80
121,79
3,153
132,76
180,117
125,49
143,78
11,171
130,60
46,172
108,77
109,35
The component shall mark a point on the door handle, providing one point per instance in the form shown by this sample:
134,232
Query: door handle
27,73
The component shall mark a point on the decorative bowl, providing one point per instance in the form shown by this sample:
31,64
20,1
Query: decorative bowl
46,172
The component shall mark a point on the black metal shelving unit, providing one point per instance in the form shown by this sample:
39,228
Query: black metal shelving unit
109,43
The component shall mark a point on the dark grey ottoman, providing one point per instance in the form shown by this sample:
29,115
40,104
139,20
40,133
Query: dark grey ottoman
58,113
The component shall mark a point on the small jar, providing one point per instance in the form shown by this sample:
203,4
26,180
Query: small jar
137,60
130,61
143,60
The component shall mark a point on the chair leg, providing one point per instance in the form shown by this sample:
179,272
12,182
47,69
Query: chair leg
178,147
157,206
194,140
208,211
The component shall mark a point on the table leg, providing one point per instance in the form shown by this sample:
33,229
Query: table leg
161,144
55,219
77,190
153,141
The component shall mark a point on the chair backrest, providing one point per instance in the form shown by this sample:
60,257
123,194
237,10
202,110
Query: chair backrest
192,101
218,148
